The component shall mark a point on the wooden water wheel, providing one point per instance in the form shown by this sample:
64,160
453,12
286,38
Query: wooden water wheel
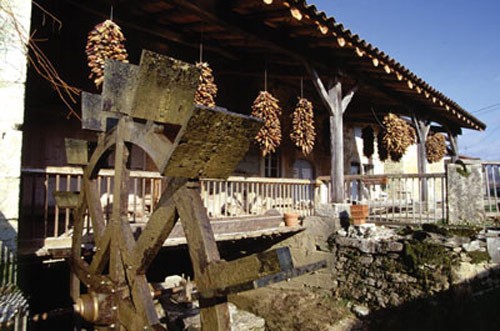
151,106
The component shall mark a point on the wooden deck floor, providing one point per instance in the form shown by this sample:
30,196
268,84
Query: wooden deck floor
224,230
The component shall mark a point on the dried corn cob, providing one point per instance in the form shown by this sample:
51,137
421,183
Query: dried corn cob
303,133
266,107
436,147
207,90
105,41
397,136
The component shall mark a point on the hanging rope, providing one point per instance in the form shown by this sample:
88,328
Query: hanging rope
207,89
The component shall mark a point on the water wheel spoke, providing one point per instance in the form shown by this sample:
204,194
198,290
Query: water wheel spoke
158,228
101,256
95,209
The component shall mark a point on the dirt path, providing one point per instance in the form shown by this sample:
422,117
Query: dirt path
297,309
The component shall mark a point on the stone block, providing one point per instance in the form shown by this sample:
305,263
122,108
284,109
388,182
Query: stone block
336,210
9,198
10,160
465,193
12,96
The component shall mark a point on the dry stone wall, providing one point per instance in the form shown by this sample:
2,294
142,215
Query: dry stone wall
383,267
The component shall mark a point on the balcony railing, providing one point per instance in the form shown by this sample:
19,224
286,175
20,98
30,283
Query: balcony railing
491,176
407,198
240,196
391,198
234,197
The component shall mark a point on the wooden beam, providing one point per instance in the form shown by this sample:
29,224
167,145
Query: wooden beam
203,251
159,226
422,128
453,139
320,87
156,30
225,275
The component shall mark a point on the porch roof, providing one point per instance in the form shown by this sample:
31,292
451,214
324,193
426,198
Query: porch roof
242,35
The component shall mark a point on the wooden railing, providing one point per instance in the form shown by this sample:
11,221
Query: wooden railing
45,219
234,197
240,196
392,198
400,197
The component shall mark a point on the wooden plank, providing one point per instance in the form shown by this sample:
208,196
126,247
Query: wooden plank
203,251
165,89
120,82
379,180
76,151
271,279
213,144
225,274
92,117
65,199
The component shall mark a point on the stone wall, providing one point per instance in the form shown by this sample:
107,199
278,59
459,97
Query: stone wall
15,20
381,267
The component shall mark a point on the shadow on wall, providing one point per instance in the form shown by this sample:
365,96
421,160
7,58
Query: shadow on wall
8,249
473,305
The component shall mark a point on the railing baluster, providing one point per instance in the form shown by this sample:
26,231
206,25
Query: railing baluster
66,210
56,208
46,205
135,200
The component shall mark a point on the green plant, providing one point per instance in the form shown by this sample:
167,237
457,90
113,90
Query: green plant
463,172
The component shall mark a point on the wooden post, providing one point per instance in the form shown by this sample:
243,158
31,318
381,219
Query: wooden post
422,127
203,251
453,138
336,104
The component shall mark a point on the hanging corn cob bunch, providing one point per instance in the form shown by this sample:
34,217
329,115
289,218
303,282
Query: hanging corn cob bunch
397,136
105,41
303,133
368,137
207,90
435,146
266,107
383,155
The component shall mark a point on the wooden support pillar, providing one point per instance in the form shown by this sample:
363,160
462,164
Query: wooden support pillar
422,128
336,104
453,138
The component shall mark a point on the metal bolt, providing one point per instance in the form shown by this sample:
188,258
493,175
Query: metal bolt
113,290
112,326
88,275
114,308
102,282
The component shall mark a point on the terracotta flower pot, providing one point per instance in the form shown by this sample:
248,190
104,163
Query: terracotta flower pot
359,213
291,219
